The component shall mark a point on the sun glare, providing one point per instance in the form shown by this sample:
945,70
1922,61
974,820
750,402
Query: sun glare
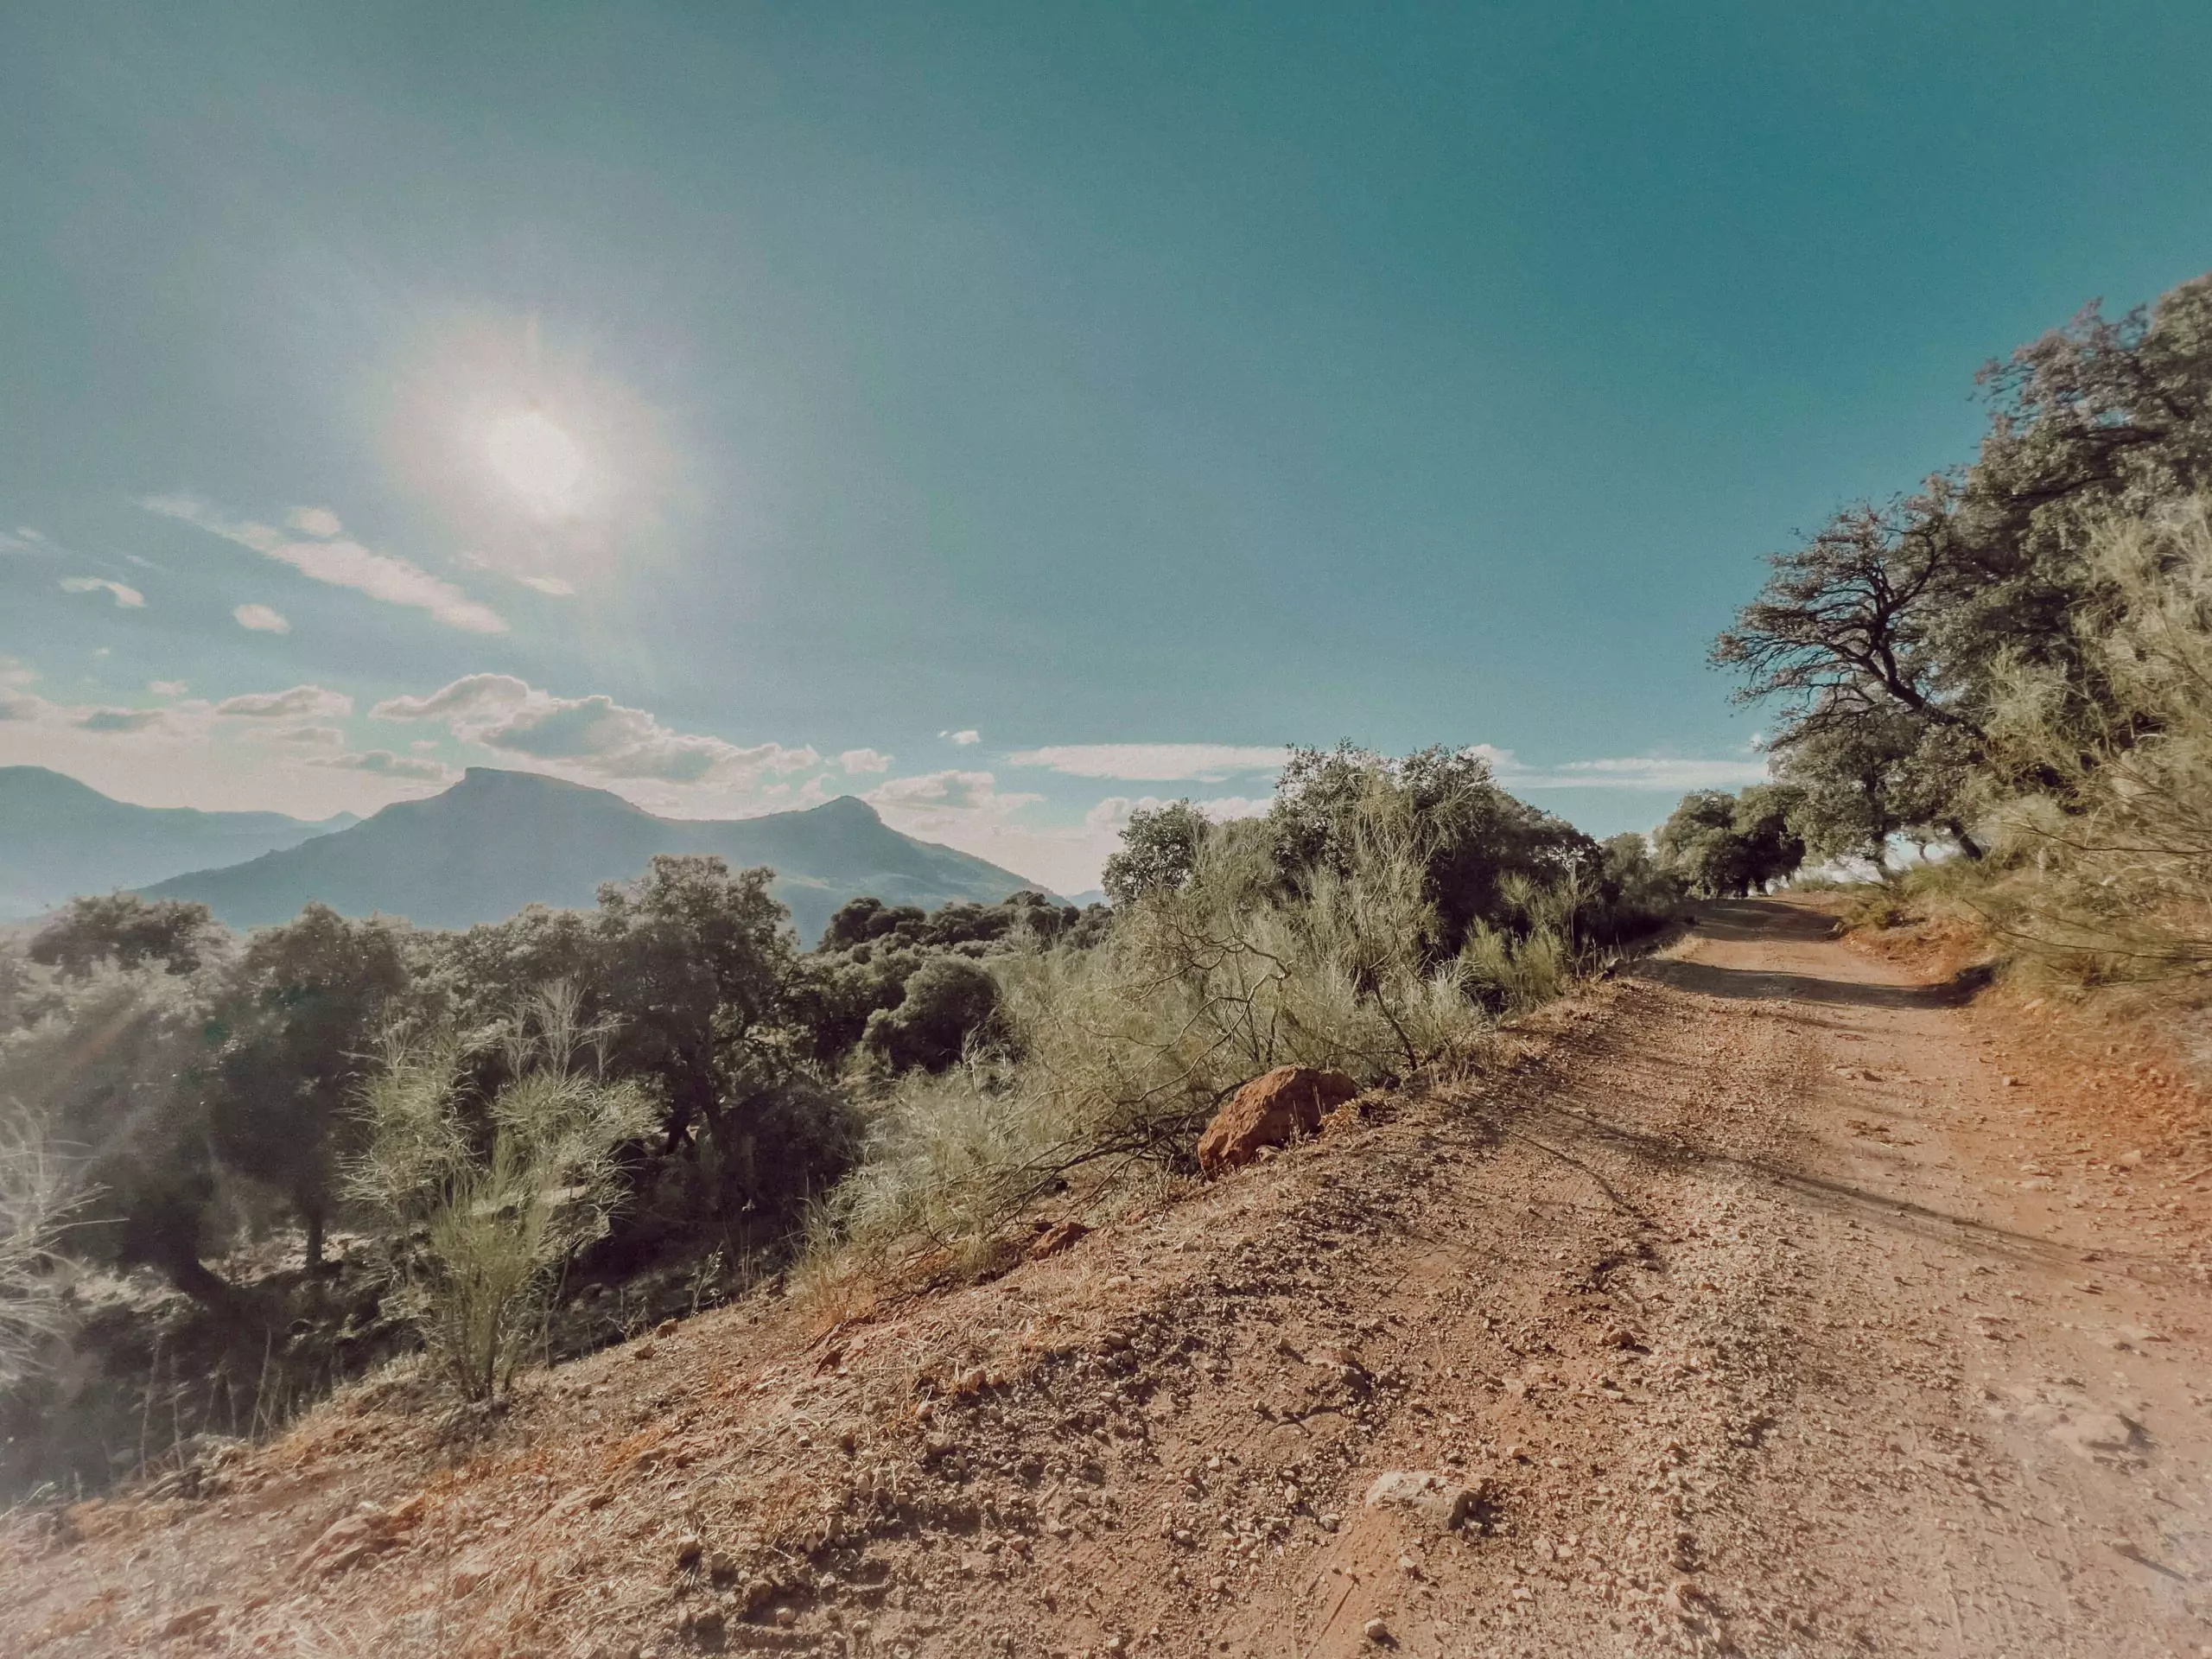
537,461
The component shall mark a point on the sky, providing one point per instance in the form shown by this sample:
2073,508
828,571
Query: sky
1008,414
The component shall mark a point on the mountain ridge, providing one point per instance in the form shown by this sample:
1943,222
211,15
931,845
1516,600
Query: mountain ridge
500,840
60,836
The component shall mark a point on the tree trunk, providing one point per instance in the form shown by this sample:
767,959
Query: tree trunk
200,1282
312,1214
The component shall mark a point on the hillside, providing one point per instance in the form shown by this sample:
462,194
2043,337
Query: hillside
1715,1290
58,838
499,841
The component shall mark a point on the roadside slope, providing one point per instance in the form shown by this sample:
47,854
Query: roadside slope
1772,1318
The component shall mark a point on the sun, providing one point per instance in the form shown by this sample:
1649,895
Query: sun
542,467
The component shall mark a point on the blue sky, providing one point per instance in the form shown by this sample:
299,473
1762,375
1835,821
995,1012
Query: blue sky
1007,413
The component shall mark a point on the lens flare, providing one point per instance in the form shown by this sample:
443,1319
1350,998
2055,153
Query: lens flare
537,462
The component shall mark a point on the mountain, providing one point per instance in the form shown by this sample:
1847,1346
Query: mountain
58,838
497,841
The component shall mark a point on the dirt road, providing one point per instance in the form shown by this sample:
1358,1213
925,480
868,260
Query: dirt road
1769,1309
1839,1349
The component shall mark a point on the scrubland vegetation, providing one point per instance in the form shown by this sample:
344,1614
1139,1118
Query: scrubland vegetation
668,1094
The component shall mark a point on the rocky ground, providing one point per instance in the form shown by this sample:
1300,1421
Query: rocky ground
1763,1301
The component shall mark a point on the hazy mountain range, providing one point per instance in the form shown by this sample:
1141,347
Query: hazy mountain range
497,841
58,838
493,843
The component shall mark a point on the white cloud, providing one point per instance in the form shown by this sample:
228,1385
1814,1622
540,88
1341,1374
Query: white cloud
127,599
593,734
554,585
1155,762
385,764
316,521
963,738
856,761
343,563
301,703
261,619
168,688
1657,772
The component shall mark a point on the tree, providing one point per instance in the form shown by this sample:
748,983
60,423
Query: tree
1765,826
1639,890
302,1009
1471,834
697,966
125,930
1886,637
1159,848
1849,635
1724,846
111,1068
949,1000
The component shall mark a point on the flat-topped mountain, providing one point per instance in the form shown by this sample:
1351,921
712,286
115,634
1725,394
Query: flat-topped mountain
58,838
497,841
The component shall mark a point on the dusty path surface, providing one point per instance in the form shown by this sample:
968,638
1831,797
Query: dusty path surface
1766,1313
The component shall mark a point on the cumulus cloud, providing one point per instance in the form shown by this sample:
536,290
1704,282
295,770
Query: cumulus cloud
594,735
261,619
1155,762
963,738
300,703
341,562
168,688
385,764
127,599
856,761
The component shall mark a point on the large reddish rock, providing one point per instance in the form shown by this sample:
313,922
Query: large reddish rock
1291,1100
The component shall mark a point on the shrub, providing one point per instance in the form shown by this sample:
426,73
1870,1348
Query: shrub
36,1200
1120,1052
488,1204
2111,850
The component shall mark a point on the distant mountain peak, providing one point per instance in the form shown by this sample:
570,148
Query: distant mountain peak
847,806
